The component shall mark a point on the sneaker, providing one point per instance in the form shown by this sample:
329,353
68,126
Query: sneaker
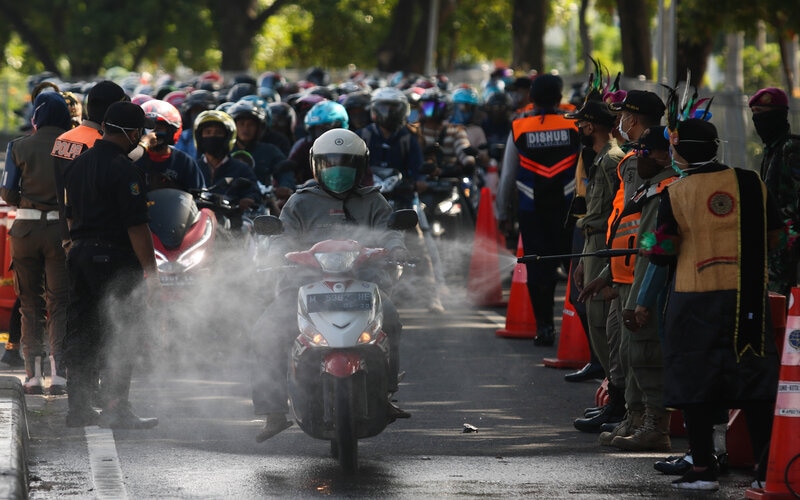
697,480
674,465
58,386
757,484
435,306
32,385
274,424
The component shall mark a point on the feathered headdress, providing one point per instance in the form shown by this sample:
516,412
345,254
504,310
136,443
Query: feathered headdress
683,108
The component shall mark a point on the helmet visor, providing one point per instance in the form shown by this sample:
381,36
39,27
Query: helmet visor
431,109
323,161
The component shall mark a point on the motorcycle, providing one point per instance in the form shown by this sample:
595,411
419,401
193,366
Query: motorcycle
339,365
183,236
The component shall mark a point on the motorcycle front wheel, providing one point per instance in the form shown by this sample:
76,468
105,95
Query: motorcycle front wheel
346,443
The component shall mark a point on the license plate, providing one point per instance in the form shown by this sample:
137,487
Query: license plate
346,301
176,279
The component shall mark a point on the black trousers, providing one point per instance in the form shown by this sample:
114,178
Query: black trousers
106,303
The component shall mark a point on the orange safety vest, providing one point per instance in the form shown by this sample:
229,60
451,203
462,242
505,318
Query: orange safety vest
72,143
625,233
533,132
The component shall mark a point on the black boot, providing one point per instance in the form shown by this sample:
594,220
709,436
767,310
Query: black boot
588,372
79,390
613,412
545,336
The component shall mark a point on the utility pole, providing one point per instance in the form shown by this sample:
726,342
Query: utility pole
433,34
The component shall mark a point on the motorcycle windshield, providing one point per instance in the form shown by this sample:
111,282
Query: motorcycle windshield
172,212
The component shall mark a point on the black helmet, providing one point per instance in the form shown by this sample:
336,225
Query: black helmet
240,90
434,104
389,108
246,109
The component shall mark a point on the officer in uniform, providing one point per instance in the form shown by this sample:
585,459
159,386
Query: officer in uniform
111,252
540,158
73,142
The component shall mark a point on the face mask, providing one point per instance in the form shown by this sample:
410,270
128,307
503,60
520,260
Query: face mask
622,132
338,179
215,146
770,124
587,140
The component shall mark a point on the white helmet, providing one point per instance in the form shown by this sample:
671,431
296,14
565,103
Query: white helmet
389,108
339,159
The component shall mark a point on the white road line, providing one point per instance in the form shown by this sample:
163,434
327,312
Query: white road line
106,472
499,321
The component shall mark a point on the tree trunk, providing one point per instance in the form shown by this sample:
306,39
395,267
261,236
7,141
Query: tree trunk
237,23
528,27
634,28
693,56
586,40
403,49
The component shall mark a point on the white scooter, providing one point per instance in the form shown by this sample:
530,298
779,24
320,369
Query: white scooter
339,367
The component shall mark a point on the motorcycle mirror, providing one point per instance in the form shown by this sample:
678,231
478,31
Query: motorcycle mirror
267,225
403,219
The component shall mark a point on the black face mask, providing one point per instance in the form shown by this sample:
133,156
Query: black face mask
771,124
587,140
215,146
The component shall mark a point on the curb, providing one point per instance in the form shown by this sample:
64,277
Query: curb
13,440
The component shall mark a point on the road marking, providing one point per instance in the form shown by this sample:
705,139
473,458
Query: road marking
103,459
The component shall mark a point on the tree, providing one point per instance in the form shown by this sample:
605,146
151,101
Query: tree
79,37
634,30
237,22
528,25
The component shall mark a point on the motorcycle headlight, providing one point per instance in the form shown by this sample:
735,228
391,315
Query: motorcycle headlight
370,334
313,335
195,254
336,262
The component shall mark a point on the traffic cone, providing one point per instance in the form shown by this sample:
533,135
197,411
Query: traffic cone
783,469
573,347
484,286
520,321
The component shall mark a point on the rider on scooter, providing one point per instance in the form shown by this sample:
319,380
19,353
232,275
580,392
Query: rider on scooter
334,208
162,165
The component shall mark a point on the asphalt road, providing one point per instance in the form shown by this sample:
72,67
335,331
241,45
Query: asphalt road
457,372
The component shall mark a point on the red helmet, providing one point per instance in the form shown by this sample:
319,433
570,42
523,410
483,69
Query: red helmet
176,98
162,111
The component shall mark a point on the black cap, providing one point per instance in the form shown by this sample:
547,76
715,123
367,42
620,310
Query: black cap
520,83
697,140
546,90
594,111
100,97
641,102
127,116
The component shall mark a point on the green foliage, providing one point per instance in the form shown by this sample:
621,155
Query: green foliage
763,67
13,95
465,33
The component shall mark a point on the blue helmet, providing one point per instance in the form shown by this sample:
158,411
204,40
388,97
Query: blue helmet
465,95
327,113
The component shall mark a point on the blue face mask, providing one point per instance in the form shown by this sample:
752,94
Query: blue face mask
338,179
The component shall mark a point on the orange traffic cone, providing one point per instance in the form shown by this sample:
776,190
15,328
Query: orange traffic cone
573,347
520,321
783,469
484,286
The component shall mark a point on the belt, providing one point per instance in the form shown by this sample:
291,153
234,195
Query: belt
590,231
34,214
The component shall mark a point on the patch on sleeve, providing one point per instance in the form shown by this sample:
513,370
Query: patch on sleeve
135,190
